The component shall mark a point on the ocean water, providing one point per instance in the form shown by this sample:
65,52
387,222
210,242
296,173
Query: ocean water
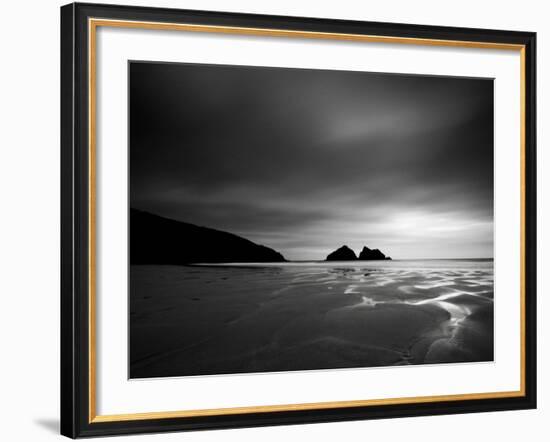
242,317
414,282
462,264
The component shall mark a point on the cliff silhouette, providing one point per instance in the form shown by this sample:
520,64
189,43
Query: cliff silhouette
158,240
344,253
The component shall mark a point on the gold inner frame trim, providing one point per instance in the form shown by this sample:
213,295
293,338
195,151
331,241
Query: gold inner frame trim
93,24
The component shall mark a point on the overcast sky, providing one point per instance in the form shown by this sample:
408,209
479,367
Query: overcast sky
305,161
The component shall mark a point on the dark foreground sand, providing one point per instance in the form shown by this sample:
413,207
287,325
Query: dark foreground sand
214,320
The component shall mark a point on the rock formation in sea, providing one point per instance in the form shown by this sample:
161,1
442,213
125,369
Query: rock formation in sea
344,253
158,240
371,254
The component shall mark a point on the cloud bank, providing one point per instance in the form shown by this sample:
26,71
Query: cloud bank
307,160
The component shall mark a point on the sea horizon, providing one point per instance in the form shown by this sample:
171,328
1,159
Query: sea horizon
325,263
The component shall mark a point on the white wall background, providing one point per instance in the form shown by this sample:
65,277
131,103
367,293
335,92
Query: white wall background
29,221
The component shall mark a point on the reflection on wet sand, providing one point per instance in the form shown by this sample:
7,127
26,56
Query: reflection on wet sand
233,319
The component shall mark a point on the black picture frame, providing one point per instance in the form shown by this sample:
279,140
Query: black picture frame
77,417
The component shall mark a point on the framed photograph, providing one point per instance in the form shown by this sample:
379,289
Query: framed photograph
278,220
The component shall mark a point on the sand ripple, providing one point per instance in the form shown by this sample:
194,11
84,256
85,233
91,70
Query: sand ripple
232,319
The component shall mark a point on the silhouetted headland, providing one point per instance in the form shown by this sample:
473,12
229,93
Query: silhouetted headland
344,253
158,240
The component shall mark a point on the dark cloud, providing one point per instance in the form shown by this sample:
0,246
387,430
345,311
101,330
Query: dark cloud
306,160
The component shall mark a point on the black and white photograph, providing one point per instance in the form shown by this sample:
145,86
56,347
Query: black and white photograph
291,216
301,219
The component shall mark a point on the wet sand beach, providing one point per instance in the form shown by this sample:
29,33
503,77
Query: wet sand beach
199,320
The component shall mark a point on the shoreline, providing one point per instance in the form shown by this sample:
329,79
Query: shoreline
205,320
